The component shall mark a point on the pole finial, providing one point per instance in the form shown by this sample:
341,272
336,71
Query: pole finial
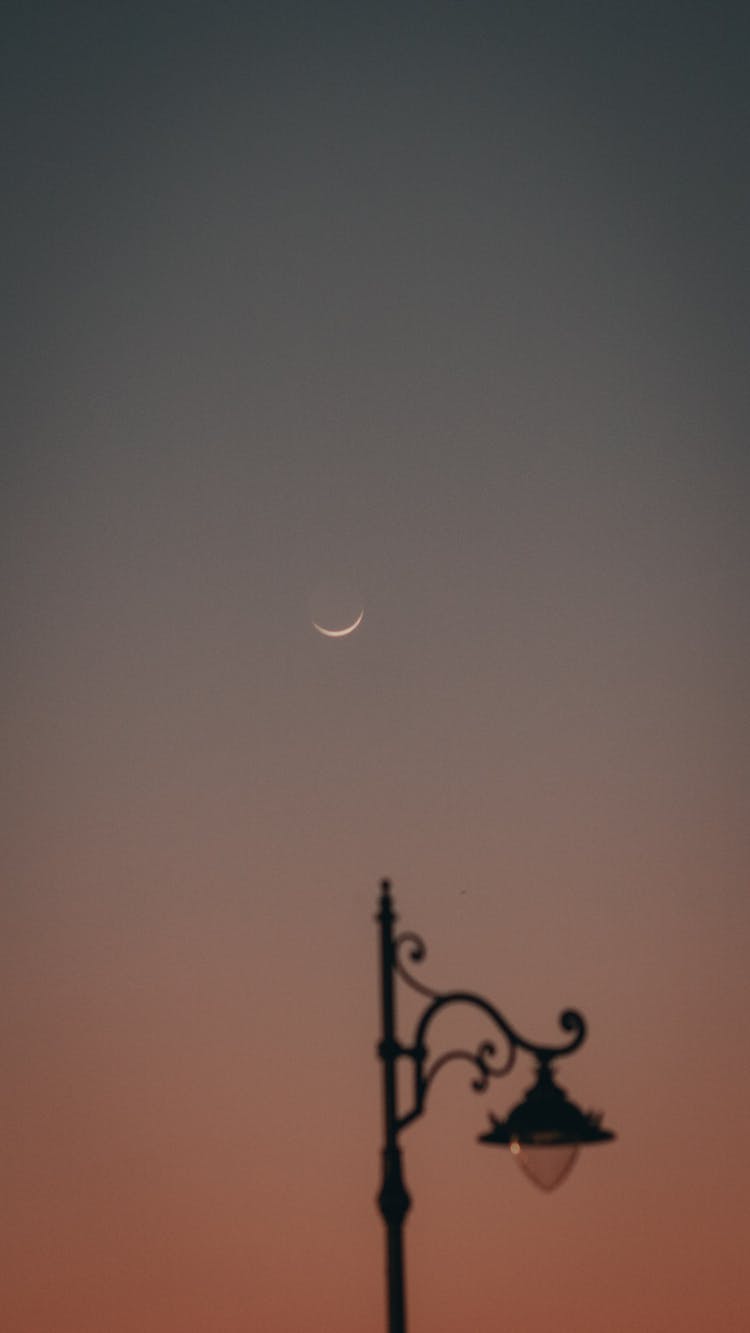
385,902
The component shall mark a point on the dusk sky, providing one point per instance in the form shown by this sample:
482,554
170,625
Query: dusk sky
447,303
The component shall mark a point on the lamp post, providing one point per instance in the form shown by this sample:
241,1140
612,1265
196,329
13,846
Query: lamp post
544,1131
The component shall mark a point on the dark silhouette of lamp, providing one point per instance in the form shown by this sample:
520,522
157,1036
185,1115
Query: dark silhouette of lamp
544,1131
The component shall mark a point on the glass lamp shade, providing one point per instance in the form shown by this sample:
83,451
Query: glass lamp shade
545,1130
546,1164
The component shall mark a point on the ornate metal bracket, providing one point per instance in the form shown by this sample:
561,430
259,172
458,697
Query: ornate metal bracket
482,1058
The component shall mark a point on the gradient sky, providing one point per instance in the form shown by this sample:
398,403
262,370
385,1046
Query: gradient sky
451,301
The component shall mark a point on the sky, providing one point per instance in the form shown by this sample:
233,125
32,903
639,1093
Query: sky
447,303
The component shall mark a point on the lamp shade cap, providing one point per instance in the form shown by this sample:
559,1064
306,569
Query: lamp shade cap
546,1118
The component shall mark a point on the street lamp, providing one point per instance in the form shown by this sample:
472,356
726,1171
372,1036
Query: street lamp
544,1131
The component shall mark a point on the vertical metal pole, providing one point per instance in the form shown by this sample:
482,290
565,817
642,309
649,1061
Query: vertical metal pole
393,1199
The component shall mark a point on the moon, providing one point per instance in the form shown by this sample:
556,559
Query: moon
340,633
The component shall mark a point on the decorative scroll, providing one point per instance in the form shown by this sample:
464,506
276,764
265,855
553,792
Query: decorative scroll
570,1021
480,1058
417,954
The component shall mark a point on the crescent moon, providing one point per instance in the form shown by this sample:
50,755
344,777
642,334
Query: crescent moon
340,633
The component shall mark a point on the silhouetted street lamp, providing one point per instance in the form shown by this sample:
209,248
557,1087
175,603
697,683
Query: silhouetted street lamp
544,1131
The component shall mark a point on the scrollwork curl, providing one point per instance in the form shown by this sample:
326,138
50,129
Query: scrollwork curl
417,954
570,1021
488,1070
481,1058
